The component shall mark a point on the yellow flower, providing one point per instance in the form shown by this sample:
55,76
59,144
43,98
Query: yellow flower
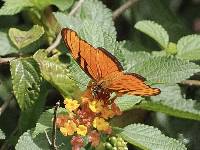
82,130
100,124
71,104
96,106
69,128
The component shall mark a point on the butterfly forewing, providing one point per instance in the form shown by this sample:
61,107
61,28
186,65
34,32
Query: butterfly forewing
96,62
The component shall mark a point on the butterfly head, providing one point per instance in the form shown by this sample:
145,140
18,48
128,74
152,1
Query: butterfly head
99,92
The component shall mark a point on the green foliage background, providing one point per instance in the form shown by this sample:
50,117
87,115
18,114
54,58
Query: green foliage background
151,38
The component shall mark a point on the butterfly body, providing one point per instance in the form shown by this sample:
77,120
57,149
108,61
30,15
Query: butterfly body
106,73
98,91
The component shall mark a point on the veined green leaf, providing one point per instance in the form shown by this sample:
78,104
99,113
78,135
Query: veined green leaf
29,117
165,69
155,31
127,102
45,124
188,47
24,38
2,135
26,140
12,7
148,137
133,58
100,15
26,81
71,22
79,75
45,121
6,47
170,101
55,73
61,4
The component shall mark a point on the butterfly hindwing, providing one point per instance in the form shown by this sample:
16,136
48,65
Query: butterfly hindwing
129,83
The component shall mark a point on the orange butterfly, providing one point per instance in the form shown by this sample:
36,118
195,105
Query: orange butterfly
104,69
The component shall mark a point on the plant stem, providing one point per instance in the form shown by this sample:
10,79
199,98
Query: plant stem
123,8
74,10
53,140
6,60
191,82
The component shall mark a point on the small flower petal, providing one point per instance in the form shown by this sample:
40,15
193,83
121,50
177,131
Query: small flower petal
94,138
96,106
60,120
107,113
69,128
70,104
100,124
77,142
82,130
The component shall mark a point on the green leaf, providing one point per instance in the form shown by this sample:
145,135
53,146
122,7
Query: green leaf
24,38
97,12
45,124
61,4
188,47
79,75
127,102
160,11
6,47
55,73
165,69
68,21
26,81
133,58
155,31
171,102
29,117
45,121
12,7
148,137
100,16
2,135
26,141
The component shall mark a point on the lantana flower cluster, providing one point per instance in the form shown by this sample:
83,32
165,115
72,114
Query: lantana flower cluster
88,118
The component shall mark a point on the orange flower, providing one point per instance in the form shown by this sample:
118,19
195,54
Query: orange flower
107,113
94,138
96,106
69,128
82,130
77,142
60,121
70,104
100,124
